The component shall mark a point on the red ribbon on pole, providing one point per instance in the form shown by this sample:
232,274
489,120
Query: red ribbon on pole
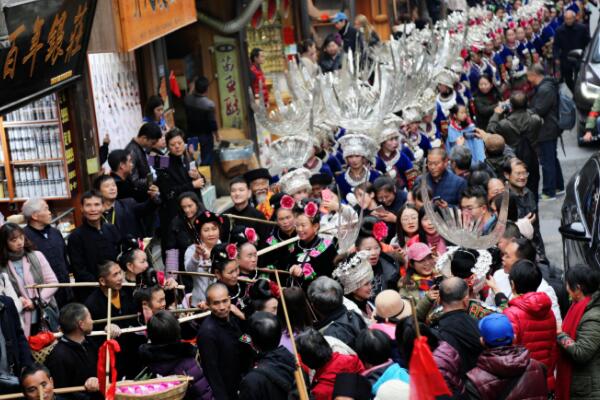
113,347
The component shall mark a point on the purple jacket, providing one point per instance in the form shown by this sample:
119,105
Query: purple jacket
177,358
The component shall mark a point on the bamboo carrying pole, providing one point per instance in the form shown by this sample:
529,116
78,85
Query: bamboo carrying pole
208,275
81,284
132,316
289,241
242,218
300,383
108,323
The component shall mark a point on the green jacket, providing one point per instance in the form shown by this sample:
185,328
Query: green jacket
424,304
585,353
590,123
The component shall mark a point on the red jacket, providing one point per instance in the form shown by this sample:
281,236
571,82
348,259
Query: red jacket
258,76
535,328
322,387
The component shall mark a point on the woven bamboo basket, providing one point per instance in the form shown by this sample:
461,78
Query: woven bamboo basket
40,356
176,392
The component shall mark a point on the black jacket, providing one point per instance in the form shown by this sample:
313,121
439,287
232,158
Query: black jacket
89,247
343,325
569,38
484,107
460,330
172,182
329,64
72,363
128,216
52,245
272,378
141,168
386,274
200,113
261,229
545,104
126,189
515,126
351,37
17,348
224,357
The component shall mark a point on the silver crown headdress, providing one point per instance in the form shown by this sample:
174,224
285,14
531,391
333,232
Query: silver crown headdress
290,152
295,181
354,272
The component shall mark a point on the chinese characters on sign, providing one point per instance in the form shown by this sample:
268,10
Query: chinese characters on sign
63,104
230,91
47,47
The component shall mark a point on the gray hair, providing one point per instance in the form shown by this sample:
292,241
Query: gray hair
462,156
537,69
32,206
325,294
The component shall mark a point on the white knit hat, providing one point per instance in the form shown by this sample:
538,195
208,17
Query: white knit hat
295,181
354,272
394,389
412,113
357,144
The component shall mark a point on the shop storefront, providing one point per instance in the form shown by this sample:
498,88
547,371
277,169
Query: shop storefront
39,127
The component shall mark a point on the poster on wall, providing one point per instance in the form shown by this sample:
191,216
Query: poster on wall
230,83
116,97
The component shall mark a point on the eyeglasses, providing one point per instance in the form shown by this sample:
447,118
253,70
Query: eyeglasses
409,218
523,174
470,208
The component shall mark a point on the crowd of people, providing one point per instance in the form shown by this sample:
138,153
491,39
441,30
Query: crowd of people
284,290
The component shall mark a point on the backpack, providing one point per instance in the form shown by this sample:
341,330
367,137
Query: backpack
567,115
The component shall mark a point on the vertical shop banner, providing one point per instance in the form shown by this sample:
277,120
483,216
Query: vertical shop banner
143,21
116,97
67,127
48,42
228,75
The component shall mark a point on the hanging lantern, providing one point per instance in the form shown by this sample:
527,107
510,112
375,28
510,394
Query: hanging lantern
271,10
257,19
284,8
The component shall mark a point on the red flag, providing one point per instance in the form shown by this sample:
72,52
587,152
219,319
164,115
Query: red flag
426,380
174,85
111,347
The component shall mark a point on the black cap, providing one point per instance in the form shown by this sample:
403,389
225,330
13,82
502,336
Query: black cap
259,173
321,179
352,385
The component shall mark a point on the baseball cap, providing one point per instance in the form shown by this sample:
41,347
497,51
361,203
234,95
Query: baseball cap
496,330
418,251
339,17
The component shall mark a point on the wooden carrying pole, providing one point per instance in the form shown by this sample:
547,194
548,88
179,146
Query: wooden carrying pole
209,275
81,284
289,241
250,219
300,383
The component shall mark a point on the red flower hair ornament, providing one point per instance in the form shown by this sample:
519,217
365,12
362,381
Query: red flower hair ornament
232,251
311,209
287,202
380,230
274,289
250,234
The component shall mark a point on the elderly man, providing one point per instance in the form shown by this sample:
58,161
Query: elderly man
571,35
327,297
258,179
49,241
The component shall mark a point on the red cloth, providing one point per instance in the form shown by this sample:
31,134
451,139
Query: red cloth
258,76
426,380
534,325
113,347
564,367
174,85
324,379
41,340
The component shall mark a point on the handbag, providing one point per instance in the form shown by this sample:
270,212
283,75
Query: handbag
48,315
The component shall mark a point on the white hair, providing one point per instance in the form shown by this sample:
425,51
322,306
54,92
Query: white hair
32,206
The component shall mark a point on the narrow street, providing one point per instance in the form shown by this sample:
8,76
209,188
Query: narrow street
550,211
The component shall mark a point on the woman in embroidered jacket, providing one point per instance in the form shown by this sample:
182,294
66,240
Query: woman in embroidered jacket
25,267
